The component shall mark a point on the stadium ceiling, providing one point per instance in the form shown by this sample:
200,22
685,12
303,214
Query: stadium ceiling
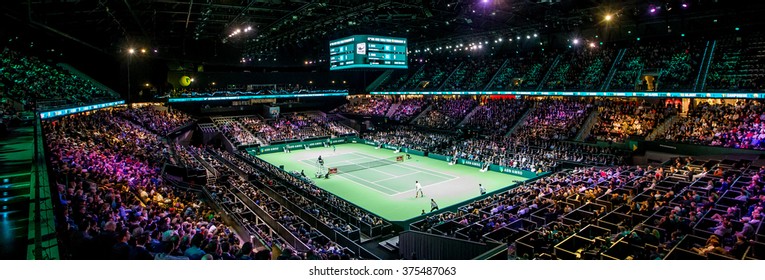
196,28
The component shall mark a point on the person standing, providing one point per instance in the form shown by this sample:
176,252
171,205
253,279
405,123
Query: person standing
482,189
418,190
433,205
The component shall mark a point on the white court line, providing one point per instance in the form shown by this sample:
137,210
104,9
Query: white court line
398,176
333,156
373,183
362,179
417,168
375,169
426,187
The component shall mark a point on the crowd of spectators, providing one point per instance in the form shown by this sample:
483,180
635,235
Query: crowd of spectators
740,125
404,136
497,116
235,131
297,126
553,119
114,202
665,217
619,120
367,106
185,155
319,246
31,80
158,120
408,108
258,127
446,113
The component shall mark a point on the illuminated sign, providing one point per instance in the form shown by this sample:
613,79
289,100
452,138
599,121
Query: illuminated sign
584,94
64,112
247,97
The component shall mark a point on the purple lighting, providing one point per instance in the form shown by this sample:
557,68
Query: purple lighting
653,10
485,1
685,5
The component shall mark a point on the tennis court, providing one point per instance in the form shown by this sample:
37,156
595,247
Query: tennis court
374,180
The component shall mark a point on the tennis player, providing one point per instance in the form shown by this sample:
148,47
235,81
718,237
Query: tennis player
433,205
418,190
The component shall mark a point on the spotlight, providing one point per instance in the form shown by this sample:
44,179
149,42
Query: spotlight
131,51
609,17
143,50
576,41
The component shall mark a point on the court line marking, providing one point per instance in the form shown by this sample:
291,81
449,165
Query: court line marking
399,176
416,168
373,183
362,179
366,186
314,157
427,187
360,164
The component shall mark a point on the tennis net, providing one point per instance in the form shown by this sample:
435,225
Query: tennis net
365,165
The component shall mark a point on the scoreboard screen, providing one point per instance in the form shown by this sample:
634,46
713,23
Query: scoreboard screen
367,51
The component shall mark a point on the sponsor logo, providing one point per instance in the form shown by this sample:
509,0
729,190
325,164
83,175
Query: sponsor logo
512,171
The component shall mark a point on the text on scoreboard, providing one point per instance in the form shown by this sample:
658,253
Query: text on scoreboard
367,51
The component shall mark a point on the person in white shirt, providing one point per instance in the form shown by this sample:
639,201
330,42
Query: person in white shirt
418,190
482,189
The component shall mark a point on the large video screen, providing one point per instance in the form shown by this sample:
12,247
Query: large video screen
367,51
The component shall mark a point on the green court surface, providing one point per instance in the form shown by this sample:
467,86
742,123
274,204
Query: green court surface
388,188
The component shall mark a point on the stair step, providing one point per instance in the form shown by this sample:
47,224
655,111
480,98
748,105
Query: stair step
15,186
15,178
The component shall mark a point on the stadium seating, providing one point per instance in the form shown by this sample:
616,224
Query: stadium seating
619,120
581,69
30,80
668,212
523,72
446,113
497,116
112,189
366,106
737,125
158,120
737,64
